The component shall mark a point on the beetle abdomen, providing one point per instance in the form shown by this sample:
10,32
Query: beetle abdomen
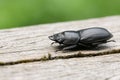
94,34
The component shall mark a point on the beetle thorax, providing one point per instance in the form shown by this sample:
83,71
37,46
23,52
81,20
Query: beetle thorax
71,38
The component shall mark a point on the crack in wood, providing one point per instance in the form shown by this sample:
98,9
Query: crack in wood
49,57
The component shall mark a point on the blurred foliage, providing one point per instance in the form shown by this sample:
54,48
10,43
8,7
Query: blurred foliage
15,13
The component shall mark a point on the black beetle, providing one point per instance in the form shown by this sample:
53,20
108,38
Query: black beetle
90,37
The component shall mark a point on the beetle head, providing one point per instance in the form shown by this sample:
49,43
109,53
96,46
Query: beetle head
59,37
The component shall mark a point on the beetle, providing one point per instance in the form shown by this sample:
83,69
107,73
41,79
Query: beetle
89,37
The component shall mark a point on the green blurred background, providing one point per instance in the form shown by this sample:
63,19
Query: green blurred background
17,13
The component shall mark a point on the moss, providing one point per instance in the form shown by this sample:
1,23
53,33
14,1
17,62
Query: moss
49,57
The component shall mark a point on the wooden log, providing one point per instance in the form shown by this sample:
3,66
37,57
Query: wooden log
26,53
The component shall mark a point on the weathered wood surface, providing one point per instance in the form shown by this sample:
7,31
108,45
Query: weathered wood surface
22,48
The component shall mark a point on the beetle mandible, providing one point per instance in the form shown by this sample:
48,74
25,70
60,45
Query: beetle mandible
90,37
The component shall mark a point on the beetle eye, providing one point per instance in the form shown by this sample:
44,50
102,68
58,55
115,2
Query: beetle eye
60,37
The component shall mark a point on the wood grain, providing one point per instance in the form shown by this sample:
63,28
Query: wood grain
22,51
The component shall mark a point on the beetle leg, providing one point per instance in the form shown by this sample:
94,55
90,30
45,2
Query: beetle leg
69,47
96,44
57,50
84,45
111,41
